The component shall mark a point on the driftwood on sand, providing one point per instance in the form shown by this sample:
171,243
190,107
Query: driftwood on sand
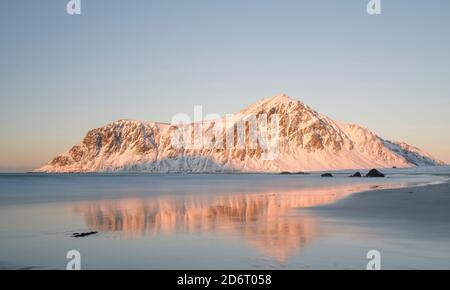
85,234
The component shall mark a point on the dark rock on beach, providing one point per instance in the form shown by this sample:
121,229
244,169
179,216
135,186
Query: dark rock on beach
327,175
374,173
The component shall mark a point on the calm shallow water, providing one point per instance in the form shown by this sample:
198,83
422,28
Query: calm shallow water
199,221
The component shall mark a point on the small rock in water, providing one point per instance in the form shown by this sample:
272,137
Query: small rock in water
298,172
80,235
357,174
327,175
301,173
374,173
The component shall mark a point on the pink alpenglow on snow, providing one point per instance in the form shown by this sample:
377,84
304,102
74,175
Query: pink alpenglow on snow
307,141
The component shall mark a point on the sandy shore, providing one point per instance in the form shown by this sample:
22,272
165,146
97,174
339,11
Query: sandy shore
423,210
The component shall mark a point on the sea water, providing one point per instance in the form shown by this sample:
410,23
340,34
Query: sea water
191,221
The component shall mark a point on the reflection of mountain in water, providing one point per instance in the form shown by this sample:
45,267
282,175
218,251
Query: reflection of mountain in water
263,220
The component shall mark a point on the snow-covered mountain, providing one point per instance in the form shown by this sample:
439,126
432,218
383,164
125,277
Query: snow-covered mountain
307,141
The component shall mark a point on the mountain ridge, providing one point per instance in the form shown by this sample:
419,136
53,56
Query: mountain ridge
307,141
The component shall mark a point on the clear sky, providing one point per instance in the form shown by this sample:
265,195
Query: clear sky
62,75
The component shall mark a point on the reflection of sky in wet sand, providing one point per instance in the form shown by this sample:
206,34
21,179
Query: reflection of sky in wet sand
265,220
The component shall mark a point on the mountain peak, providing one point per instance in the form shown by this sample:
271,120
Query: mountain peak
307,141
268,103
281,98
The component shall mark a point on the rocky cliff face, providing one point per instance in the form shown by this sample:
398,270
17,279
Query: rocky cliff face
305,140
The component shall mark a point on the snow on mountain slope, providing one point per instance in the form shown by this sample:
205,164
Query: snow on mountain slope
413,154
307,141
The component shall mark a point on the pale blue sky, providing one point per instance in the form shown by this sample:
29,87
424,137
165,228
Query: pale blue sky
62,75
